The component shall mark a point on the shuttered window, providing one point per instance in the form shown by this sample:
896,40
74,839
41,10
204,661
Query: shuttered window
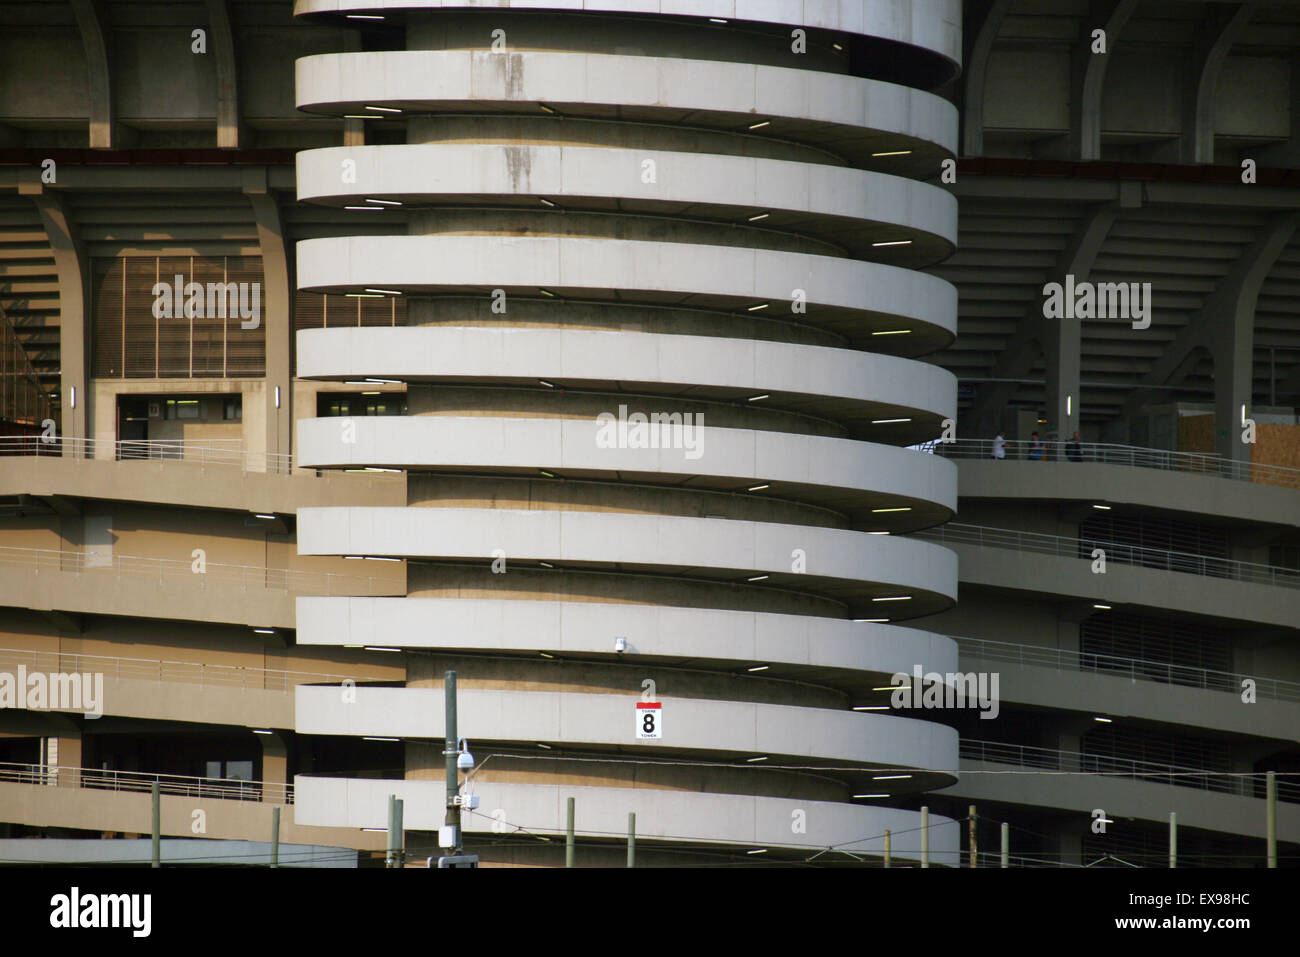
203,337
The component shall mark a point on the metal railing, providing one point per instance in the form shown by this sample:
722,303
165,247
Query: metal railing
1133,456
222,789
223,453
203,674
1061,547
1049,759
245,576
1131,668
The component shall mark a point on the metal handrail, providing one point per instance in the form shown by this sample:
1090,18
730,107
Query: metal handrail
1051,759
258,576
203,674
227,789
225,453
1131,668
1118,552
1133,456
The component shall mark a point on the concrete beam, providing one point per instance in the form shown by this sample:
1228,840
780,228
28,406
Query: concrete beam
229,128
1060,340
1225,326
93,23
73,269
277,316
1220,30
976,73
1089,75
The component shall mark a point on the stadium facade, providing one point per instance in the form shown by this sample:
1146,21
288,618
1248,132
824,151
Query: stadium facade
615,352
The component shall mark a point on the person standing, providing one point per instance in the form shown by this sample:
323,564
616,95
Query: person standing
1036,447
1072,449
1000,446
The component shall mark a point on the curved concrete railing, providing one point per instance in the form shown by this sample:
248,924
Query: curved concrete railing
575,627
837,473
854,384
936,28
827,202
669,816
738,728
860,567
848,113
840,293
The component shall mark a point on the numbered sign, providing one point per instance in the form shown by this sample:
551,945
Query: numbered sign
649,719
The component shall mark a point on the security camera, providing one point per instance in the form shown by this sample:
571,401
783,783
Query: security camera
620,644
466,760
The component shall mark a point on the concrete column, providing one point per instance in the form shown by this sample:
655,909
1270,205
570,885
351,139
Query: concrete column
221,45
275,766
96,39
277,313
64,752
72,266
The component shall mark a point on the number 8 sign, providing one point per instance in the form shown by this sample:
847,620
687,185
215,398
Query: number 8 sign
649,719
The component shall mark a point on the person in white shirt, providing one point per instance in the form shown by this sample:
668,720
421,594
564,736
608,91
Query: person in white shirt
1000,446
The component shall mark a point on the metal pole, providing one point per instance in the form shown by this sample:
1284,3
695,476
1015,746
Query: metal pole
972,857
925,837
1006,844
450,752
1270,796
887,848
1173,839
157,825
631,840
396,833
275,837
568,838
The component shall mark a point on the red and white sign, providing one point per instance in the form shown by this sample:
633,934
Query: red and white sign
649,719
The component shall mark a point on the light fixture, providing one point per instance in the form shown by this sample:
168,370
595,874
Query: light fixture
372,393
264,631
384,202
871,621
877,533
383,109
894,153
759,126
716,20
545,655
1069,404
761,305
365,16
757,850
363,295
900,508
890,777
353,558
1103,720
871,795
544,108
620,644
545,747
544,202
761,757
370,830
277,397
757,488
549,385
546,564
384,381
373,209
1102,508
381,648
74,395
837,46
360,116
374,738
380,558
894,598
1102,607
759,398
758,668
546,292
895,242
891,688
888,421
263,515
872,707
386,292
261,731
546,473
758,578
892,332
754,219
